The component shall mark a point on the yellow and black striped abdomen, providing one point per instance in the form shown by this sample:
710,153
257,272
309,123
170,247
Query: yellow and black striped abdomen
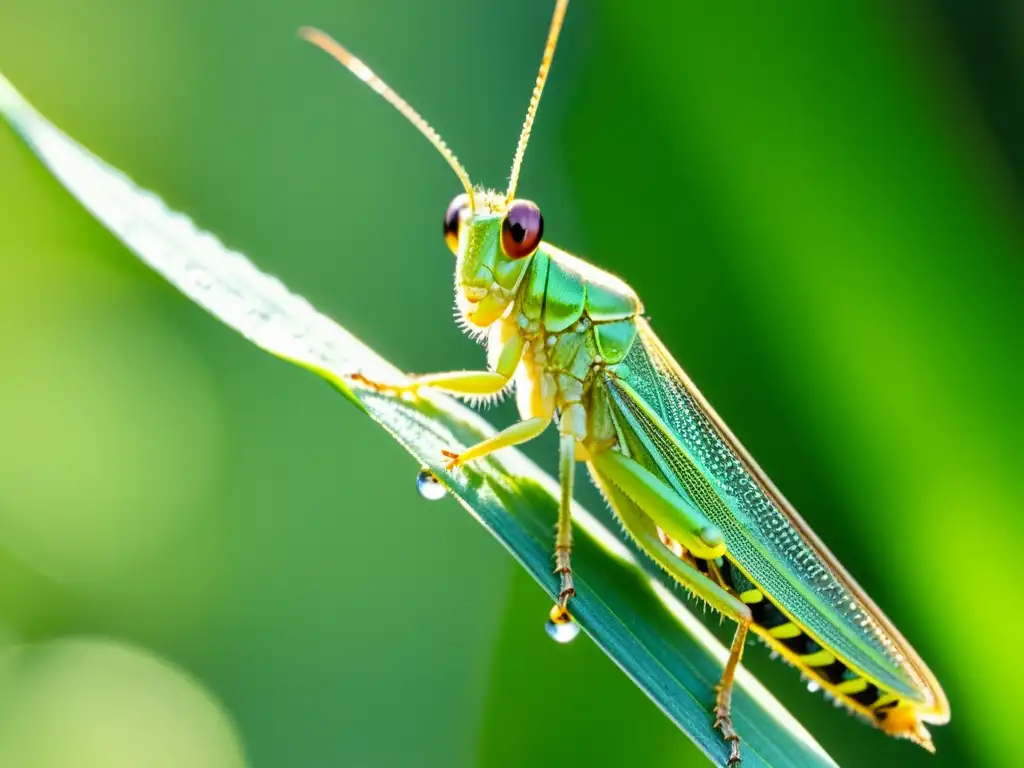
793,643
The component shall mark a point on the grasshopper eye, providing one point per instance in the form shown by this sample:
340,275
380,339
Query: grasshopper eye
452,217
522,229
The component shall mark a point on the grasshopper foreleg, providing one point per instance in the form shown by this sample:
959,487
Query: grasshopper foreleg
459,383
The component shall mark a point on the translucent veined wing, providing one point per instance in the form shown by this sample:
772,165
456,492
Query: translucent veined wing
766,538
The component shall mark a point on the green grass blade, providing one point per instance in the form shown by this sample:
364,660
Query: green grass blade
623,604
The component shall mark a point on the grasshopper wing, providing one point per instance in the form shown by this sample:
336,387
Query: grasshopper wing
804,602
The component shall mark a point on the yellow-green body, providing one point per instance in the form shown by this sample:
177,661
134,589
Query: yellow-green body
572,340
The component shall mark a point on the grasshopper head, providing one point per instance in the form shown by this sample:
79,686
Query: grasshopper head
493,242
493,235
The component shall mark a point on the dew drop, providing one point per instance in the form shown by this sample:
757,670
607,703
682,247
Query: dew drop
430,487
560,626
562,633
812,686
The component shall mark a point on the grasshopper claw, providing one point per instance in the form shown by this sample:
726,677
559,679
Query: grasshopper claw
454,460
723,723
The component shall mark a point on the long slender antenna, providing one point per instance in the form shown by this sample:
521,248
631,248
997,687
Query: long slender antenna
332,47
538,89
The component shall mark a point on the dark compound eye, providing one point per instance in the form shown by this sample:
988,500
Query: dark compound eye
522,229
451,221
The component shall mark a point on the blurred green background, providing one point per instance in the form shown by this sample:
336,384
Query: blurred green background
209,559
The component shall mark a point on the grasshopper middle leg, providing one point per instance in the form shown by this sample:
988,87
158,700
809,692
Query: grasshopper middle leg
563,534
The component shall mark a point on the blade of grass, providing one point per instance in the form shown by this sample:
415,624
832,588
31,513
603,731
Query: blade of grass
623,603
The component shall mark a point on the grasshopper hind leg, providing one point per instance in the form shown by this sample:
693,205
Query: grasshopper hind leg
646,533
723,694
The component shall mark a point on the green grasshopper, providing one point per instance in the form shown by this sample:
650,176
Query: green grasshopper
573,342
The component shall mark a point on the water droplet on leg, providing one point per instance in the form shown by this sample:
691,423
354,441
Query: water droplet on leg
429,487
560,626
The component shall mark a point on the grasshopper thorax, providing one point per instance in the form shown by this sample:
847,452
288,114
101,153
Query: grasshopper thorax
494,242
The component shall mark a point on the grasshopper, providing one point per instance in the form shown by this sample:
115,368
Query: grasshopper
573,342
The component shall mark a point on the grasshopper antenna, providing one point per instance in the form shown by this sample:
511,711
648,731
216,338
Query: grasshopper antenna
538,89
332,47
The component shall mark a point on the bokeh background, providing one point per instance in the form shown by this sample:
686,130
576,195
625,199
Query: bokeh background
208,558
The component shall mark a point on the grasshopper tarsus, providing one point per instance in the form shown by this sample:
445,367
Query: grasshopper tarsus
723,723
567,590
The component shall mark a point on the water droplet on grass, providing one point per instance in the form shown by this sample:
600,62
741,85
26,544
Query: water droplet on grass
430,487
562,633
560,627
